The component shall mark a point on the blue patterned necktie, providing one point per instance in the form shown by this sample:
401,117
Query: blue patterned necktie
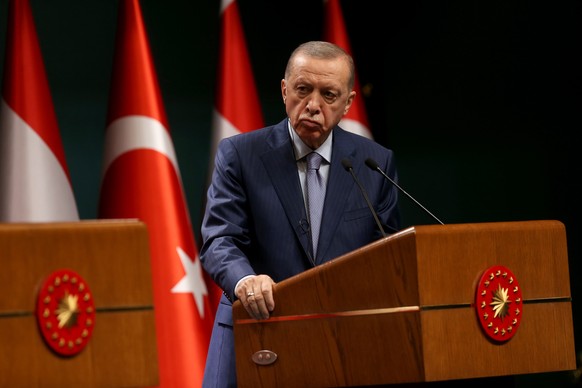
315,196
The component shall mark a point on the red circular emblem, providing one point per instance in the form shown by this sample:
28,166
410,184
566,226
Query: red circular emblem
65,312
498,303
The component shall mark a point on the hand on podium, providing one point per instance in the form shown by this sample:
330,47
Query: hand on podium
256,294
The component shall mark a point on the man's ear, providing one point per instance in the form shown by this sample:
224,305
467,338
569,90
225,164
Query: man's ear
284,90
349,101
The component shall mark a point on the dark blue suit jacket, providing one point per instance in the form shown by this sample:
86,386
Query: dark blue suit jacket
255,220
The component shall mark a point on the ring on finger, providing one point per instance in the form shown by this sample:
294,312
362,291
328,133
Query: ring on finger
249,294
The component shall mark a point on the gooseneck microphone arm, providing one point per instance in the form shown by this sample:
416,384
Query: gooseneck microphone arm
348,167
374,166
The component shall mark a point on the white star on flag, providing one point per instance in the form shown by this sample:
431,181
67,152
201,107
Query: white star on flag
192,281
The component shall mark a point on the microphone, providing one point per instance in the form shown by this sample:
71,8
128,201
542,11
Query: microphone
348,166
374,166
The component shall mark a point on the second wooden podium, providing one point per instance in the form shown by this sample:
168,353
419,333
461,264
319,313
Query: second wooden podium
112,257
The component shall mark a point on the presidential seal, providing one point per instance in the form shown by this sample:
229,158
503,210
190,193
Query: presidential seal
499,303
65,312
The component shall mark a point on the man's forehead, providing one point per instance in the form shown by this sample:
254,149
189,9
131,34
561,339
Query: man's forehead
320,70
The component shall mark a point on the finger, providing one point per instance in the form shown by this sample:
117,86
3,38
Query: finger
267,293
256,293
261,306
250,305
269,300
257,305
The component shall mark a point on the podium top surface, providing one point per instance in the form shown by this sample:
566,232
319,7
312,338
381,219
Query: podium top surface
111,255
431,265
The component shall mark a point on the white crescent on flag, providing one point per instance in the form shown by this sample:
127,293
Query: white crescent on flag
134,132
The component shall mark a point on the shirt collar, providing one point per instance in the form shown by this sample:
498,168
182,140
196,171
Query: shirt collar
301,149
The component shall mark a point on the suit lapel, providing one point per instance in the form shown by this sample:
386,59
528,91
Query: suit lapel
281,166
339,186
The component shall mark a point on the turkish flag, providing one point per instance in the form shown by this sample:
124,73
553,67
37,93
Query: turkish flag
356,120
35,185
237,107
141,179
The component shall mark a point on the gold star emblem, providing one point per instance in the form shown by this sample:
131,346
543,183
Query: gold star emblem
68,310
500,302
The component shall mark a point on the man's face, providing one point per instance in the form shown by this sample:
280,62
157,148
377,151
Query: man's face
316,97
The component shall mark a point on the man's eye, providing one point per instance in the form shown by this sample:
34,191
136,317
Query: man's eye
302,91
330,96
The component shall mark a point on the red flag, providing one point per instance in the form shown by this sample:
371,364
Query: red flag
35,185
141,179
237,107
335,32
237,101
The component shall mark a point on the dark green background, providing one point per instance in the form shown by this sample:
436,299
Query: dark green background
480,100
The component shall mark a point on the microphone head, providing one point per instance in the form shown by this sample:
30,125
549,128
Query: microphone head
347,164
372,163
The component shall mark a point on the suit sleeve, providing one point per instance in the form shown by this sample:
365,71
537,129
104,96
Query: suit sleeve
225,226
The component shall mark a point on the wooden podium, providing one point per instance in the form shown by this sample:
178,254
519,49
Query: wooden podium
112,257
402,310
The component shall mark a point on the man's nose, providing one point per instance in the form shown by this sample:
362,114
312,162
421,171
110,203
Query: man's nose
314,104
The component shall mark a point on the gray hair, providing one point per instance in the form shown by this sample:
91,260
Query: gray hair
323,50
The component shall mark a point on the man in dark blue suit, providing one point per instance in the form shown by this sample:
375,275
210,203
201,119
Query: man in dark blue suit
257,229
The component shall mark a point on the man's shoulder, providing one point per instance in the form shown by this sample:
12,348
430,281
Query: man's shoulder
259,132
